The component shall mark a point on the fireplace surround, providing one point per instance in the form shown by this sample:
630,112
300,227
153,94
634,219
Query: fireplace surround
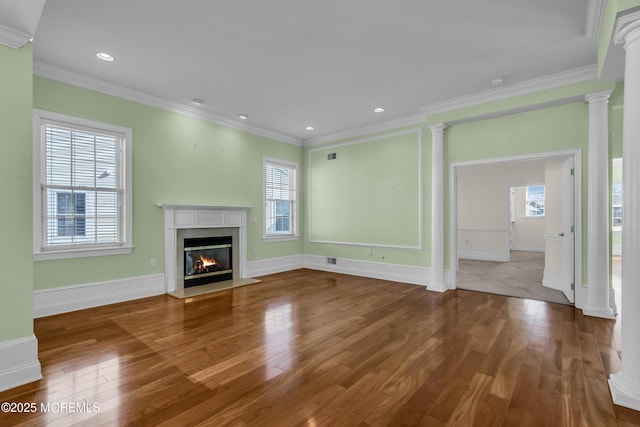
202,221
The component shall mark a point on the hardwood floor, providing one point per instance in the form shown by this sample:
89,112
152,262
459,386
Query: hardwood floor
319,349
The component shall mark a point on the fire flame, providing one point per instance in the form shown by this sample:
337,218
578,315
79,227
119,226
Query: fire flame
207,262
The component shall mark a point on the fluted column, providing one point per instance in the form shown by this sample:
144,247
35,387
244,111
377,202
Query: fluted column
598,216
625,385
437,208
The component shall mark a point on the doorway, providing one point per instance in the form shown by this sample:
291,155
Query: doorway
513,222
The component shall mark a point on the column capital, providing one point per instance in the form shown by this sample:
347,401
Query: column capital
602,96
625,29
439,127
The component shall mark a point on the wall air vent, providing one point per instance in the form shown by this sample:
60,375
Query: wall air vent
331,260
331,156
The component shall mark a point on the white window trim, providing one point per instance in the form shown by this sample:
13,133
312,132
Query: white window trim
280,237
40,254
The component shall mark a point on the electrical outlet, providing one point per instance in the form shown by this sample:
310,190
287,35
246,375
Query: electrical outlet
255,251
152,262
369,251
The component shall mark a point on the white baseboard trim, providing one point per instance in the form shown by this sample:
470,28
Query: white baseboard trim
612,301
371,269
580,297
484,254
624,391
274,265
20,364
47,302
528,249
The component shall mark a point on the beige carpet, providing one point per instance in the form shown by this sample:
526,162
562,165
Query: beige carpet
522,277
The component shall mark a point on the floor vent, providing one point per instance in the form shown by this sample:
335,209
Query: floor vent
331,260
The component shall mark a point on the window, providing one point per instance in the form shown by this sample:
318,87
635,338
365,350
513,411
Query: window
616,202
82,187
280,209
535,201
71,209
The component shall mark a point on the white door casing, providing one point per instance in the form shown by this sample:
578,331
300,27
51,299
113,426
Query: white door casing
559,270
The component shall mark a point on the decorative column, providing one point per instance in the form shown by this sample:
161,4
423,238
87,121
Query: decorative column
625,385
437,208
598,217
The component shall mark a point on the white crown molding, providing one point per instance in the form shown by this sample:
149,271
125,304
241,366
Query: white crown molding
589,72
13,38
378,127
595,13
54,72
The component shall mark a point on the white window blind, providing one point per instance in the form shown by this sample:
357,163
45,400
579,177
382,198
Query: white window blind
81,186
280,198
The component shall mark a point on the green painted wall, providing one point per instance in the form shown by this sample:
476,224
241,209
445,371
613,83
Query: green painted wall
16,85
616,104
176,159
369,194
627,4
400,153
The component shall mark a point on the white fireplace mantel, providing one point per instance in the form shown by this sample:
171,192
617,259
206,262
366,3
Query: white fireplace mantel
200,216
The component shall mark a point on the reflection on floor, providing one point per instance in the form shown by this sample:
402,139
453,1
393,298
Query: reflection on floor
522,277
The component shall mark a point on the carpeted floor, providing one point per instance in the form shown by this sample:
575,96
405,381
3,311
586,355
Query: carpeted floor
521,277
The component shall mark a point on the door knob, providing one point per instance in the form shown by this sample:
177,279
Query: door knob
561,234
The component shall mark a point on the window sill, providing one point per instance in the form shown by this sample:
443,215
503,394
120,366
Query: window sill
284,238
80,253
533,217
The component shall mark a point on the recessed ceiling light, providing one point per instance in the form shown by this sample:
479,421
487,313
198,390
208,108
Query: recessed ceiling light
105,56
243,116
309,128
378,110
197,101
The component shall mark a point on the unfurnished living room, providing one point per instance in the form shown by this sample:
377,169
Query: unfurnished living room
293,213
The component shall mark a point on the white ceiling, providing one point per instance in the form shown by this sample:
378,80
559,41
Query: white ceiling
293,63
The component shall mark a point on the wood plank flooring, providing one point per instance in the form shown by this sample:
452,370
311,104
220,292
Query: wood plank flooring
323,349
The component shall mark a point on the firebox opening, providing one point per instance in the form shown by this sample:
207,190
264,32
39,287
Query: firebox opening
207,260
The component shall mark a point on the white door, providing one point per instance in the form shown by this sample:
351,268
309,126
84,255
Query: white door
560,238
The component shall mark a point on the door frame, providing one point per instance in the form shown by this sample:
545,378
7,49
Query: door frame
577,211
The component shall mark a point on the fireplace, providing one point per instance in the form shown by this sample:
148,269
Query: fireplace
184,226
207,260
206,255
